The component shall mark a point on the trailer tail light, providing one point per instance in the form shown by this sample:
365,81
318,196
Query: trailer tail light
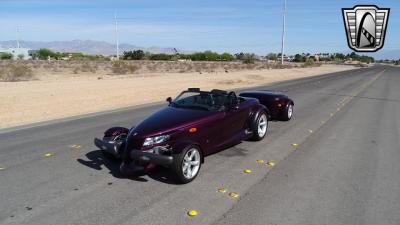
192,130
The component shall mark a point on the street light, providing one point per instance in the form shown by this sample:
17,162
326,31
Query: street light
283,31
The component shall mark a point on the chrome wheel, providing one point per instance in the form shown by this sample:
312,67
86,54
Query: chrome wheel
290,111
191,163
262,125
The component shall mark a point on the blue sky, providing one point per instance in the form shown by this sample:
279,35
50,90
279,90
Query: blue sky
219,25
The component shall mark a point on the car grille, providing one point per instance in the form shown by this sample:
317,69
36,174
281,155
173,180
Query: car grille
132,143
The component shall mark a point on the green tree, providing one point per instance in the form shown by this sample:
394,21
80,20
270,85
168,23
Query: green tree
240,56
226,57
299,58
45,53
134,55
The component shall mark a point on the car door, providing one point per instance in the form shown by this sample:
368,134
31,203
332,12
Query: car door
234,121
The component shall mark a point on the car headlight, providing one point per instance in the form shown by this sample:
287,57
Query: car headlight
155,140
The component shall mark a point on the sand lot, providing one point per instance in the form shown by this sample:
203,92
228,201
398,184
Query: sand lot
58,96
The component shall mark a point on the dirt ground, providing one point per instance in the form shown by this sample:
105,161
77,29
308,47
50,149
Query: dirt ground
57,96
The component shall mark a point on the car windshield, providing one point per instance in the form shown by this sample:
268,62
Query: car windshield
200,100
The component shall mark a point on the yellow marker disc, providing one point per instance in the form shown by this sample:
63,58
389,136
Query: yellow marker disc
311,131
75,146
221,190
247,171
2,168
295,145
192,212
233,195
48,154
271,163
260,161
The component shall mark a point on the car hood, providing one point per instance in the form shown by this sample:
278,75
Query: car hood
168,119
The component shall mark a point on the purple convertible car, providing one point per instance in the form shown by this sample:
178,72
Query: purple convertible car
193,125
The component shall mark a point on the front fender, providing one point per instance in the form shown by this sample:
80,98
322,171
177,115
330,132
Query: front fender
178,147
114,131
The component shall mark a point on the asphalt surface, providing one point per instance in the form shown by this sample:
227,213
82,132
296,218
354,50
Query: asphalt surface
336,162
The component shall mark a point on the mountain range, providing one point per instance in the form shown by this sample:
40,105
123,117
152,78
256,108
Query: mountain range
104,48
85,46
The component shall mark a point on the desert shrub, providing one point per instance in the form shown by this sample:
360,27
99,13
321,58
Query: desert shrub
161,56
86,67
272,56
248,58
360,64
6,55
248,61
132,68
75,70
120,67
17,72
309,63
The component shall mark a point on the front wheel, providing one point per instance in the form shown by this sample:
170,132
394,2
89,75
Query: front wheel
187,164
260,126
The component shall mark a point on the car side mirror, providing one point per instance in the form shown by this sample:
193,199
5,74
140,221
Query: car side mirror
169,99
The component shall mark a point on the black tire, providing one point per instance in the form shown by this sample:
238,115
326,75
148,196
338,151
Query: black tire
178,165
288,116
261,117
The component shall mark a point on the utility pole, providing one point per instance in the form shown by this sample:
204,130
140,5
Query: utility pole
18,45
116,35
283,31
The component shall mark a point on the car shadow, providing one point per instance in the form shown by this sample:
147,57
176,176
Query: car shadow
97,161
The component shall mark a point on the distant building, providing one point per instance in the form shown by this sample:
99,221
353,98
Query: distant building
19,53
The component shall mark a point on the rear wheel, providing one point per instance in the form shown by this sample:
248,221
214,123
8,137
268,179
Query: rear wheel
187,164
260,127
288,112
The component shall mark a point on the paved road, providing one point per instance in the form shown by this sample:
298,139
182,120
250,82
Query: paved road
344,170
347,173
